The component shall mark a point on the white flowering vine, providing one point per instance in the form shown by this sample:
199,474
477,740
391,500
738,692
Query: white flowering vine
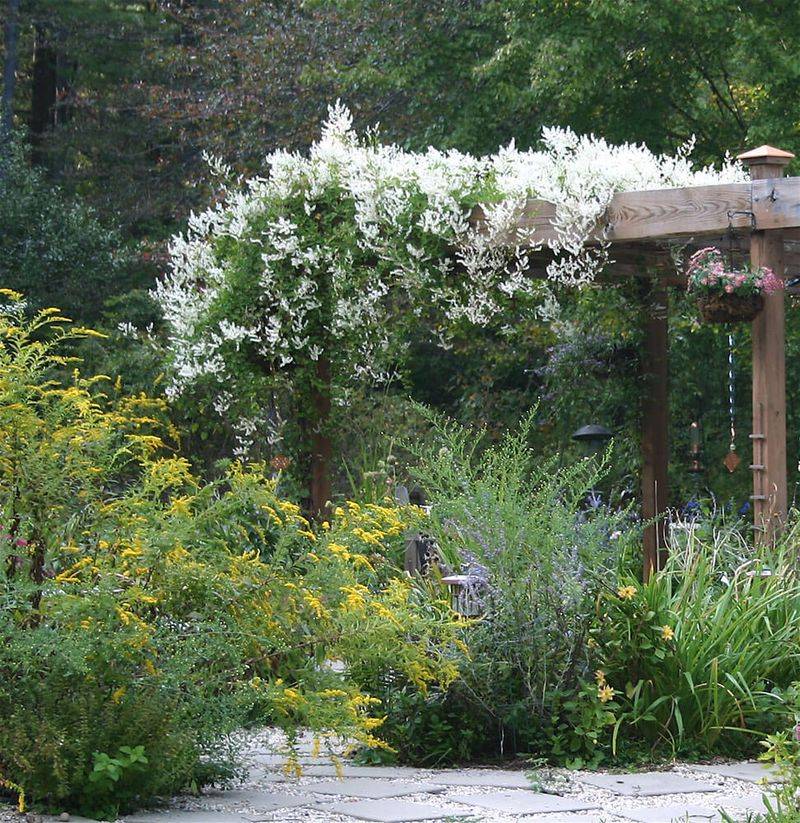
331,254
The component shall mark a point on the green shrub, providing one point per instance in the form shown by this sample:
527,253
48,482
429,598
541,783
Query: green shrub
145,615
54,247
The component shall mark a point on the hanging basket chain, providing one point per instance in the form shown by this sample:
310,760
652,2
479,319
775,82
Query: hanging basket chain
731,392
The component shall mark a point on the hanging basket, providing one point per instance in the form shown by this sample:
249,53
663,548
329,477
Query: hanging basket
729,308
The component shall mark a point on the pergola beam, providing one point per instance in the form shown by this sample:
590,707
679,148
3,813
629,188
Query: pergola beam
693,211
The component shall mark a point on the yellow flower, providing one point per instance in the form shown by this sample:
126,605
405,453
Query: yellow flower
600,677
292,767
118,694
605,693
293,697
627,592
667,633
315,603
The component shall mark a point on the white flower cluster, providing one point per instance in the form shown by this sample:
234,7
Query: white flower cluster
408,245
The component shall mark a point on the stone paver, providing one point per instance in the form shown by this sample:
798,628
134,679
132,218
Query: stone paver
259,799
645,784
389,772
278,760
523,802
750,772
750,803
175,816
383,794
371,789
497,778
393,811
666,814
598,817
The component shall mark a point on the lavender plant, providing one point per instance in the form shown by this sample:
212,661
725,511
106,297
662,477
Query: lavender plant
535,534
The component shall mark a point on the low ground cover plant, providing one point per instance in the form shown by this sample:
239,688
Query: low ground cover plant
146,615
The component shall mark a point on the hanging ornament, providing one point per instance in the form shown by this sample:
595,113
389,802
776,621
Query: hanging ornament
732,460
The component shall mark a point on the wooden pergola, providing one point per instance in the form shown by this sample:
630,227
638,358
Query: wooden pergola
641,226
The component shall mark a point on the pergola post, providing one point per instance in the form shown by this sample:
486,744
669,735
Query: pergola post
655,427
769,363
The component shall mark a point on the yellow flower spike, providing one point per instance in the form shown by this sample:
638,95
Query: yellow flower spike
9,784
667,633
337,764
627,592
292,767
118,694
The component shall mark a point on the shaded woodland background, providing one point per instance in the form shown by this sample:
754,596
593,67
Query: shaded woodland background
108,109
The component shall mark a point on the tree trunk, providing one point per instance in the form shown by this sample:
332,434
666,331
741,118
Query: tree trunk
44,89
50,91
10,62
321,444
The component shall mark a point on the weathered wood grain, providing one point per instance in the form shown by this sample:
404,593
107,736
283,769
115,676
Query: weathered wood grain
694,211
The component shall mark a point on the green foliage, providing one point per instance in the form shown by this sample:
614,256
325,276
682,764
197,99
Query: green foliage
782,751
430,729
54,247
699,654
580,738
521,524
115,777
145,616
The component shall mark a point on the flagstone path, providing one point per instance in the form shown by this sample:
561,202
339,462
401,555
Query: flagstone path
406,795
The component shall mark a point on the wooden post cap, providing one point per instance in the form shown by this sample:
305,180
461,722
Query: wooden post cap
766,156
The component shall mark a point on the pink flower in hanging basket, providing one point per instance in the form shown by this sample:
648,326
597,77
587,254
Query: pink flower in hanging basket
708,275
770,283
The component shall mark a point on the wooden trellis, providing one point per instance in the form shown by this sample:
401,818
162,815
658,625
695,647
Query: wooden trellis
640,226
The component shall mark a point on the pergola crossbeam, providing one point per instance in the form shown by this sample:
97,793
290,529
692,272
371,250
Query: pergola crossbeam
693,211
